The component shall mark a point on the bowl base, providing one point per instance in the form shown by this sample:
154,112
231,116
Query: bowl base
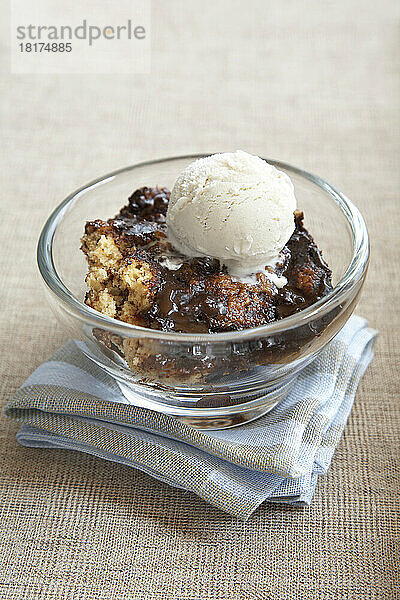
232,420
222,417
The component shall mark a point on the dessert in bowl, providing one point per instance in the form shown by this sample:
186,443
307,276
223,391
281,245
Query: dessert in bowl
205,303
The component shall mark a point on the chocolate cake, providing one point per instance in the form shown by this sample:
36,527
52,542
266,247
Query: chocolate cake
136,276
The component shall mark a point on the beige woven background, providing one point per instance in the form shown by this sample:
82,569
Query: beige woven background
311,83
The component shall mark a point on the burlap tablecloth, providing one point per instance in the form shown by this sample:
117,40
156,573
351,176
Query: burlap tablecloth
311,83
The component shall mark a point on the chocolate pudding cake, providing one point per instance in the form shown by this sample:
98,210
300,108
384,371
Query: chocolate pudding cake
137,276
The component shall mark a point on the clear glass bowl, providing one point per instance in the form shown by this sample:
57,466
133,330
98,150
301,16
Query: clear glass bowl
209,380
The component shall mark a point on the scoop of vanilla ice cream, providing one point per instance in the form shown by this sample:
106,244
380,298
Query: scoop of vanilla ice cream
232,206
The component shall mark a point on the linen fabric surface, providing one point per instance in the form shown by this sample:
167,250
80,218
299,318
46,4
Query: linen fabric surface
70,403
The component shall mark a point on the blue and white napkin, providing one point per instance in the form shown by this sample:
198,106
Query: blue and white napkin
70,403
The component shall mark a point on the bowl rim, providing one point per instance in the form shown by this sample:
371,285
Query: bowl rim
353,275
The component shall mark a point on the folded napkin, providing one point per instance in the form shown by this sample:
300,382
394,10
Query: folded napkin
69,402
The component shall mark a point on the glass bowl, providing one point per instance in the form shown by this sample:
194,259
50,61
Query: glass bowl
206,380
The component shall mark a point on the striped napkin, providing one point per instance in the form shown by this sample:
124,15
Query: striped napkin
70,403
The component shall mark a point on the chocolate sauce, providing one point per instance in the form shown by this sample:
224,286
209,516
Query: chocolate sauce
146,203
